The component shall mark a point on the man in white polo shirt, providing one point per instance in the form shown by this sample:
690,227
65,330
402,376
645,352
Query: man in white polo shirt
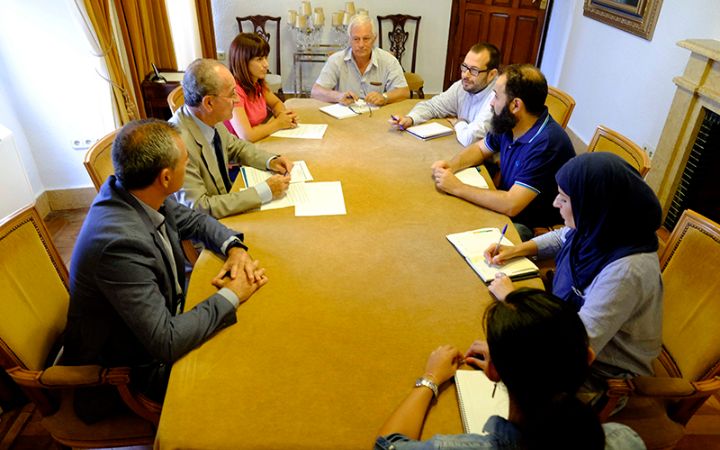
361,71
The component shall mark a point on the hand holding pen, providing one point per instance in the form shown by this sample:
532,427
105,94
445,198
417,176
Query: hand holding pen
348,98
401,122
497,254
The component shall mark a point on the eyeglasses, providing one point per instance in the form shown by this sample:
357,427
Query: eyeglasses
474,71
357,109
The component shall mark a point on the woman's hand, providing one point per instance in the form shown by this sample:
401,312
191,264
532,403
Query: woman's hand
499,254
501,286
443,363
286,119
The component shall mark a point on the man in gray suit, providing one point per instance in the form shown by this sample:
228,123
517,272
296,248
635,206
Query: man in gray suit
127,278
209,90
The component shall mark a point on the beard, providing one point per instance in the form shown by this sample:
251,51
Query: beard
503,122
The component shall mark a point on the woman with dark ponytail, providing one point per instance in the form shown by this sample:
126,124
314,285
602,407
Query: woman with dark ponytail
537,345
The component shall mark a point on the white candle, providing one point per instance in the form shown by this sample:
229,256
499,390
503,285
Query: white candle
301,22
350,8
319,19
346,18
337,18
292,16
363,12
306,9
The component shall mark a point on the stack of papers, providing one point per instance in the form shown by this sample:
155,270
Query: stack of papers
429,130
309,199
339,111
472,245
303,131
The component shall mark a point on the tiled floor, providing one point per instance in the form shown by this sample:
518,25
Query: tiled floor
702,432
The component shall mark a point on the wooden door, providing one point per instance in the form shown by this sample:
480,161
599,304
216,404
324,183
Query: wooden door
516,27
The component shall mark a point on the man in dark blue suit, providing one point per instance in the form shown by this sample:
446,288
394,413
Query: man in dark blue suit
127,275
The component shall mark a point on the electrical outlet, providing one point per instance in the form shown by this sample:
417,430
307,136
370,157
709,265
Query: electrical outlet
220,55
649,150
82,143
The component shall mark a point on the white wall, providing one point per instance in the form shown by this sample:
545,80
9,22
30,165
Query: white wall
51,93
432,40
623,81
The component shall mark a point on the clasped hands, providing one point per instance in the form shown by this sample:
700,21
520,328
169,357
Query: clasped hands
444,178
445,360
372,98
241,274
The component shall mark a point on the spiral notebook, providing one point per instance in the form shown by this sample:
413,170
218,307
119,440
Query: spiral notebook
476,400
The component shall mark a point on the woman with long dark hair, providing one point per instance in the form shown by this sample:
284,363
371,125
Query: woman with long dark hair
537,345
259,112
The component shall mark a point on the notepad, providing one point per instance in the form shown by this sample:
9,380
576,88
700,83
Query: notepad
252,176
302,131
430,130
472,177
472,245
476,400
340,111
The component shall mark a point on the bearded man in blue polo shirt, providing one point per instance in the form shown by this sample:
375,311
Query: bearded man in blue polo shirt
531,145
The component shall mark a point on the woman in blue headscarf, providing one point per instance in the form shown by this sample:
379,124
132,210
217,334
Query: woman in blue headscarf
607,264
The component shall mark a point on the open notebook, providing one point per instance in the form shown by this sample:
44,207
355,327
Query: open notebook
429,130
476,400
472,245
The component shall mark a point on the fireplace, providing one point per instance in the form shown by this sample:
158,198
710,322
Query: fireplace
686,164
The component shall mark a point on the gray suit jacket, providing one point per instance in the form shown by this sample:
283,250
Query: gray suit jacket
204,189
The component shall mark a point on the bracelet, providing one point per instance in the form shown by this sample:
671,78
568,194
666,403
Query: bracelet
424,382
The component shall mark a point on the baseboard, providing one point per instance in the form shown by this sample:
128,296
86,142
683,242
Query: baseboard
61,199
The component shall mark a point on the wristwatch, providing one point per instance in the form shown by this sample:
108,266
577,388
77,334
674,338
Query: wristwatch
422,381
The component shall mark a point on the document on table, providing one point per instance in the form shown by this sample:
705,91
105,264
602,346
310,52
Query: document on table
340,111
430,130
472,177
479,399
322,199
252,176
303,131
295,194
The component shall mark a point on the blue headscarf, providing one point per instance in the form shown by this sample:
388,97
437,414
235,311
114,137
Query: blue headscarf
616,214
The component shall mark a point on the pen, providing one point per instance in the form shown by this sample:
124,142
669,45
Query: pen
396,119
502,235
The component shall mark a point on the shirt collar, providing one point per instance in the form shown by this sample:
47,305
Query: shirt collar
536,129
156,218
207,131
348,56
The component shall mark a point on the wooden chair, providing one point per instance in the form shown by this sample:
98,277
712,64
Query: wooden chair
607,140
176,99
398,38
560,105
34,307
274,79
686,372
98,163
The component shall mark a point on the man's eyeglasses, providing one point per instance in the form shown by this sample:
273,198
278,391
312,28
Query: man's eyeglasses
357,109
474,71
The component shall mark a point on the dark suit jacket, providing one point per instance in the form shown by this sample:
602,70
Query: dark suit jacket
123,299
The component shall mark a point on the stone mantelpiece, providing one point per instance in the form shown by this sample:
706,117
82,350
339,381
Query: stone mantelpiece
698,88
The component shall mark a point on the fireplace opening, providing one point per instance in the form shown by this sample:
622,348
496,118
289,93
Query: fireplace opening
699,187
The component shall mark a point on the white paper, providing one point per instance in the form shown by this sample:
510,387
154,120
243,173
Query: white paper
253,176
323,199
479,399
294,195
429,130
472,177
302,131
340,111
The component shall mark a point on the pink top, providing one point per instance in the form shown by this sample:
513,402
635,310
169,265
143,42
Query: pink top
255,108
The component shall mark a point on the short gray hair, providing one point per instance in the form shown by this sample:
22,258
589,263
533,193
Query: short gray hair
141,149
361,19
200,80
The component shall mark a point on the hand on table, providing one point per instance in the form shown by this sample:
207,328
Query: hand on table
375,98
278,184
347,98
478,356
501,286
281,165
286,119
401,122
445,180
241,274
443,363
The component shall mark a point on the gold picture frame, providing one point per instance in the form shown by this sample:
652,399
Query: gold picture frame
634,16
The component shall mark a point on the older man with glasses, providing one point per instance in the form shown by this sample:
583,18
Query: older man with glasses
209,90
467,102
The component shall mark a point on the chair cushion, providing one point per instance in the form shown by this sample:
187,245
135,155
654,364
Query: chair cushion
124,429
648,418
414,81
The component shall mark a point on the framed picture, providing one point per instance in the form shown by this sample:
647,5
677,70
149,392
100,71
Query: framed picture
634,16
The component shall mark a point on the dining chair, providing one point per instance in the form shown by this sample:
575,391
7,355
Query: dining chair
35,291
176,99
398,38
560,105
688,368
259,23
607,140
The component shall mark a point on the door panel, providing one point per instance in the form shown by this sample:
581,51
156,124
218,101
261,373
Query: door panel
516,27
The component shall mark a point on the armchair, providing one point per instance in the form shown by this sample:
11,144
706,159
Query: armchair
686,372
35,302
607,140
560,105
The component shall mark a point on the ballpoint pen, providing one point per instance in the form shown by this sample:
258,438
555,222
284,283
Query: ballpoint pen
397,119
502,235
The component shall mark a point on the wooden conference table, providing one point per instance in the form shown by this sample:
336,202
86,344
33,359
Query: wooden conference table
323,353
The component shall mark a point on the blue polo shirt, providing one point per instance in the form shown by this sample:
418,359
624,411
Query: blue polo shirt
532,161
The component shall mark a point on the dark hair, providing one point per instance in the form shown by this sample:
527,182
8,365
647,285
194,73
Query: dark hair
200,80
539,347
243,48
526,82
493,52
141,149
